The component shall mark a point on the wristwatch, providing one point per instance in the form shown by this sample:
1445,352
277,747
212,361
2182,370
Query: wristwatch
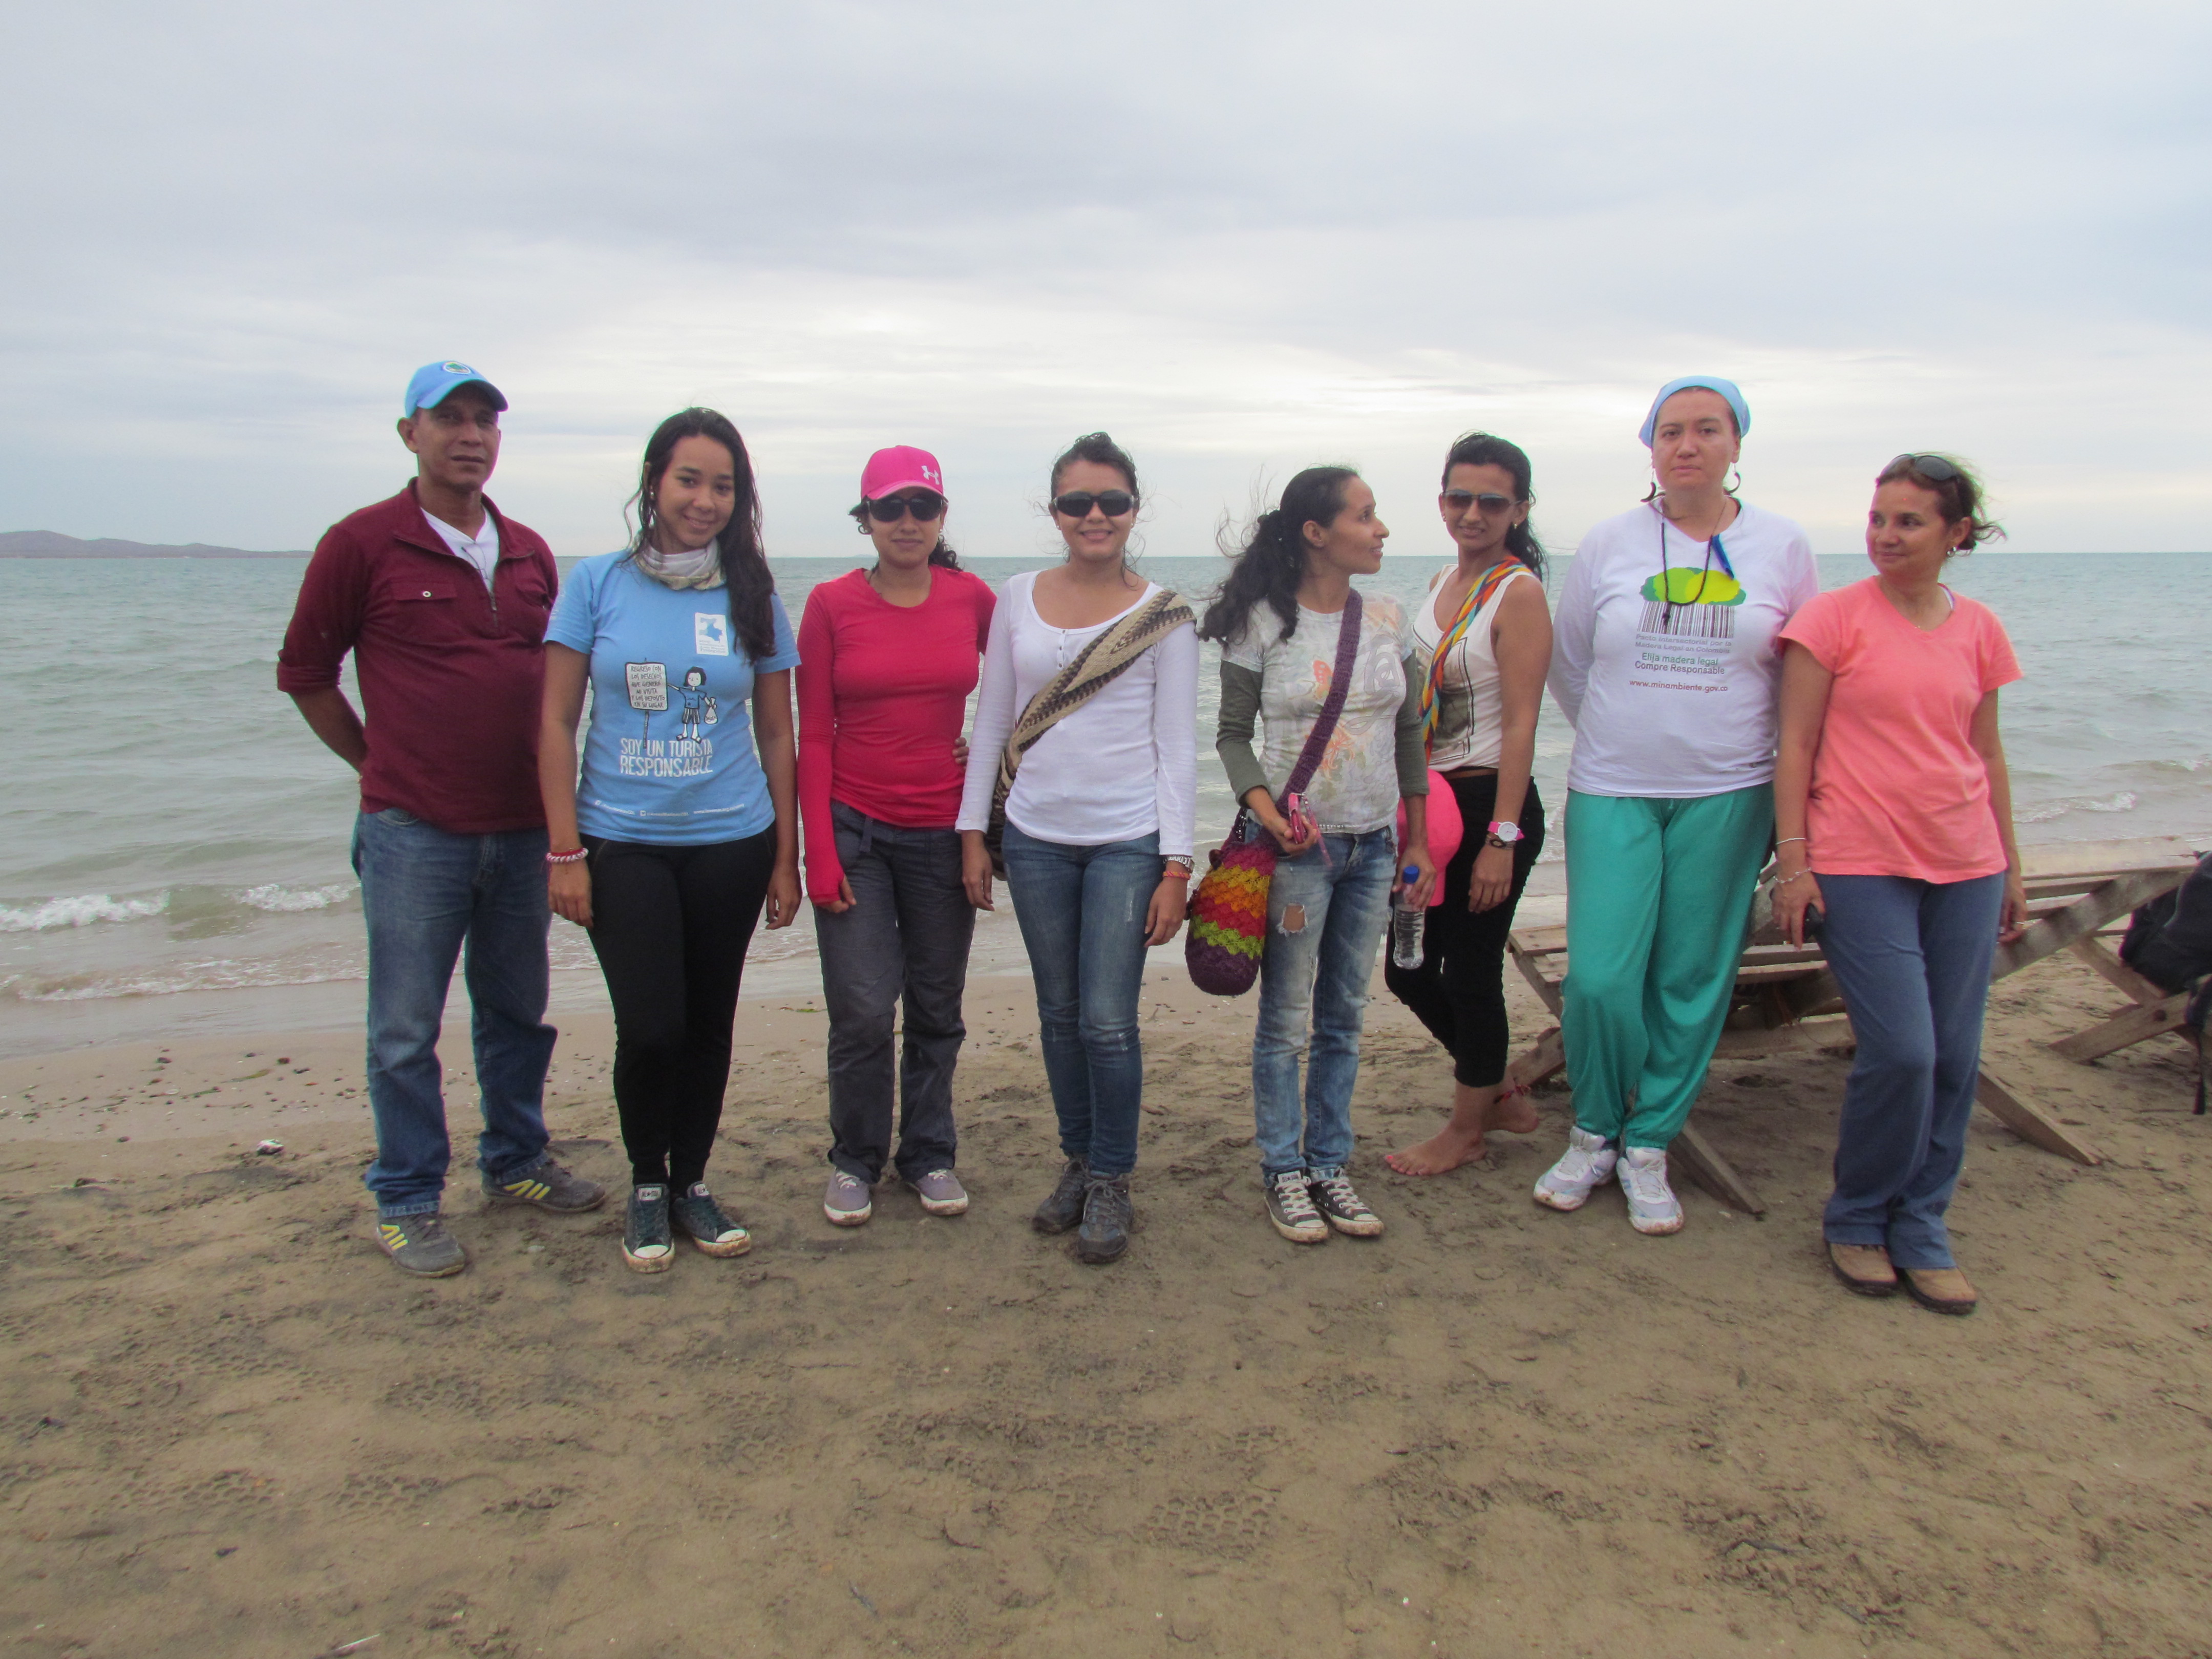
1183,863
1504,834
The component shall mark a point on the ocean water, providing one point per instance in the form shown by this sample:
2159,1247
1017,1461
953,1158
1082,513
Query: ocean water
173,839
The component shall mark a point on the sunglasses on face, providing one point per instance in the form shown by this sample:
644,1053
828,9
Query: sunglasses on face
1934,468
1077,503
1490,501
891,508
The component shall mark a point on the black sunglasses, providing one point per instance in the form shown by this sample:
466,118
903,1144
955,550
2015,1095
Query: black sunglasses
1077,503
1934,468
1490,501
891,509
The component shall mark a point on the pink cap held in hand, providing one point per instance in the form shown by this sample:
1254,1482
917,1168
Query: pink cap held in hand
901,467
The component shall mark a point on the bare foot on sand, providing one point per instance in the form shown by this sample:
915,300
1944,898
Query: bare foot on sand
1446,1149
1514,1113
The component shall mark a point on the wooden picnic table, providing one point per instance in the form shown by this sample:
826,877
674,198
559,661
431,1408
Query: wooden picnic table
1786,1000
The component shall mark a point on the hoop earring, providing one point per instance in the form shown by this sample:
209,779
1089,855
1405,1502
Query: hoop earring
1652,494
1731,488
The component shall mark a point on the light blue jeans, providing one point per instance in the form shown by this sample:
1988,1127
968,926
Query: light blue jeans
427,893
1082,911
1327,911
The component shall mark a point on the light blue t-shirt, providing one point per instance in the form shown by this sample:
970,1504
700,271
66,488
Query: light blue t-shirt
669,757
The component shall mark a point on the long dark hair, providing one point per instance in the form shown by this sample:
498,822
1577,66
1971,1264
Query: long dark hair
1959,498
1485,449
1102,451
744,565
941,555
1271,562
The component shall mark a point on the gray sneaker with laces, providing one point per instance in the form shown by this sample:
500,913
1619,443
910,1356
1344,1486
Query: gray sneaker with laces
849,1201
421,1244
1064,1208
1107,1214
1290,1207
941,1192
544,1183
696,1216
1341,1207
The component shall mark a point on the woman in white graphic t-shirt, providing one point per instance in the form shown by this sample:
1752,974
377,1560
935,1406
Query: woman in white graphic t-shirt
1666,661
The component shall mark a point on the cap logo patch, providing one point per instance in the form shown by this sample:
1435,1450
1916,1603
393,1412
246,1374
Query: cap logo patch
459,368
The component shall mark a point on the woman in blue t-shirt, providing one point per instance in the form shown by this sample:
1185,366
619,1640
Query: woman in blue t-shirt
677,832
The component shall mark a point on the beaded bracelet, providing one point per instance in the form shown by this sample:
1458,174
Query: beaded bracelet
576,857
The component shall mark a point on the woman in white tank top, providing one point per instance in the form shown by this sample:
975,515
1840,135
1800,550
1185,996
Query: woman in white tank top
1484,635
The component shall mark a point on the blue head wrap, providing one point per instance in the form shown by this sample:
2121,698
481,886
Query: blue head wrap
1704,382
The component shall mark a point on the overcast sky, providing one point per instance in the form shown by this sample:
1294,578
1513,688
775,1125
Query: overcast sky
1242,237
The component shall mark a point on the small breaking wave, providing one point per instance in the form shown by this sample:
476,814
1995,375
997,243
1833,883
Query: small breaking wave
78,910
280,900
74,910
2125,801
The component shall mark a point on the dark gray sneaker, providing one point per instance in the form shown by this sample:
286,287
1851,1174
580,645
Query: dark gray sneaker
1065,1208
547,1185
421,1244
1106,1217
699,1218
646,1244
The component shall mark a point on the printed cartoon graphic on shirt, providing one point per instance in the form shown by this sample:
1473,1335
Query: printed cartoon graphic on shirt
688,753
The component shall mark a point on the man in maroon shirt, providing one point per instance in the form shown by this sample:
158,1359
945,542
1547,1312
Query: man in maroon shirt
443,602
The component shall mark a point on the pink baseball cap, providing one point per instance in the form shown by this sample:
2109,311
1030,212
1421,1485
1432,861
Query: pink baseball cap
900,467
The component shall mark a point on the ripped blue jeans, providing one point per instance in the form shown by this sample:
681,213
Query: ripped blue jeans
1082,914
1327,910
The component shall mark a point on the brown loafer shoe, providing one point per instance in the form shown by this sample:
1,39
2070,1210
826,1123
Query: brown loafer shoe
1940,1290
1864,1268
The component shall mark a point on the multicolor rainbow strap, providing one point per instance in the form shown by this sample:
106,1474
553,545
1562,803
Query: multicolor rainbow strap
1432,689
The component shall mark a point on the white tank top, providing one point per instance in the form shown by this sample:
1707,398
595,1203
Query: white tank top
1471,716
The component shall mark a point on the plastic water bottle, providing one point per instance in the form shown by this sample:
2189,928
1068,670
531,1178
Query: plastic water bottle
1406,922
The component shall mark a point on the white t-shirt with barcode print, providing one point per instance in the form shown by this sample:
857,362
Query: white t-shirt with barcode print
1665,653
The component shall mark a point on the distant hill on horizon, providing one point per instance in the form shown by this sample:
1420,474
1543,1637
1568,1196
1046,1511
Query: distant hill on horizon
53,544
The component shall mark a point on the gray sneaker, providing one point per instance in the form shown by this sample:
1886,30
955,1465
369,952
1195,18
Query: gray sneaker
1106,1217
545,1184
1064,1208
941,1192
848,1201
696,1216
421,1244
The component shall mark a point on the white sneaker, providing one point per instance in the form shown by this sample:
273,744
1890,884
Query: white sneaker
1587,1160
1652,1206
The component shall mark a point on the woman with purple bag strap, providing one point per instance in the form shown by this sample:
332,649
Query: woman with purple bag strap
1327,674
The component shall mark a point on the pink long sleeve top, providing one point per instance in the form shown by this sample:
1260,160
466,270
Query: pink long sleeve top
883,691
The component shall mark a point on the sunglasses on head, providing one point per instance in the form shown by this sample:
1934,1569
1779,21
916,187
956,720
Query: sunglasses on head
1934,468
891,509
1077,503
1489,500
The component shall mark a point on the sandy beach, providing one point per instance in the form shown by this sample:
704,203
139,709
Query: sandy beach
237,1431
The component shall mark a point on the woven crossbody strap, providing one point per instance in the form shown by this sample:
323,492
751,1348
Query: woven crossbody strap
1097,666
1339,687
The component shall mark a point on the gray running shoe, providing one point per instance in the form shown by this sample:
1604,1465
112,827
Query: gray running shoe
421,1244
941,1192
1106,1216
545,1184
849,1201
1065,1208
1341,1207
646,1244
1290,1207
699,1218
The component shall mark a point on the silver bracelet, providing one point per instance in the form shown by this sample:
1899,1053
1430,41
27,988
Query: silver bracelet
1786,840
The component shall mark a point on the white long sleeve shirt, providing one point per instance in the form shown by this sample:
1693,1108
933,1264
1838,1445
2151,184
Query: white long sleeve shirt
1123,766
1672,690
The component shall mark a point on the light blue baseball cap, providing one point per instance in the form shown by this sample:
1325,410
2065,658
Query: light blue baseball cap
1702,382
433,383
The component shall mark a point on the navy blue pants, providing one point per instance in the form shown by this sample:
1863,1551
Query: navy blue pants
1913,960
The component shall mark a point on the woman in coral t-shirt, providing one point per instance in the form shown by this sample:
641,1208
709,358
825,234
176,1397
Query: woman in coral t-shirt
1893,817
887,656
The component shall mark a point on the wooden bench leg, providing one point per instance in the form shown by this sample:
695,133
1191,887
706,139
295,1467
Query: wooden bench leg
1546,1058
2030,1121
2129,1026
1715,1173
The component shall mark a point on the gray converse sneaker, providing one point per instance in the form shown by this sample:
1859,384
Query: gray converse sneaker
421,1244
696,1216
545,1184
849,1201
647,1245
1341,1207
941,1192
1064,1208
1290,1207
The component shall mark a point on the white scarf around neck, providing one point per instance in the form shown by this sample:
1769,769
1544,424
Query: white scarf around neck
699,568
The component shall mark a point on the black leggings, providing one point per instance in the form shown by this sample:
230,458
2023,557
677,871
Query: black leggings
671,925
1459,990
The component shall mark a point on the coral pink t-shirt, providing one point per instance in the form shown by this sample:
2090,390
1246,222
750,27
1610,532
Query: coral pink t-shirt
1897,787
882,692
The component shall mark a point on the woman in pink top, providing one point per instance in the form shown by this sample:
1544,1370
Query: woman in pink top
887,656
1893,817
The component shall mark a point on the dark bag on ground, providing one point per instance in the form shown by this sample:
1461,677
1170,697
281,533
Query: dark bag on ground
2169,943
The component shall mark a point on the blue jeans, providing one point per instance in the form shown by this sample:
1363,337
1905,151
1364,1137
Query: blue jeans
1913,960
1082,913
425,894
1327,910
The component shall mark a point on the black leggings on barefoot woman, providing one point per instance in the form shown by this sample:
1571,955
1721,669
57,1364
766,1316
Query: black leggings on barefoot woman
1459,990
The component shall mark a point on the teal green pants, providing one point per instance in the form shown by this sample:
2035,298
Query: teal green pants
1658,892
